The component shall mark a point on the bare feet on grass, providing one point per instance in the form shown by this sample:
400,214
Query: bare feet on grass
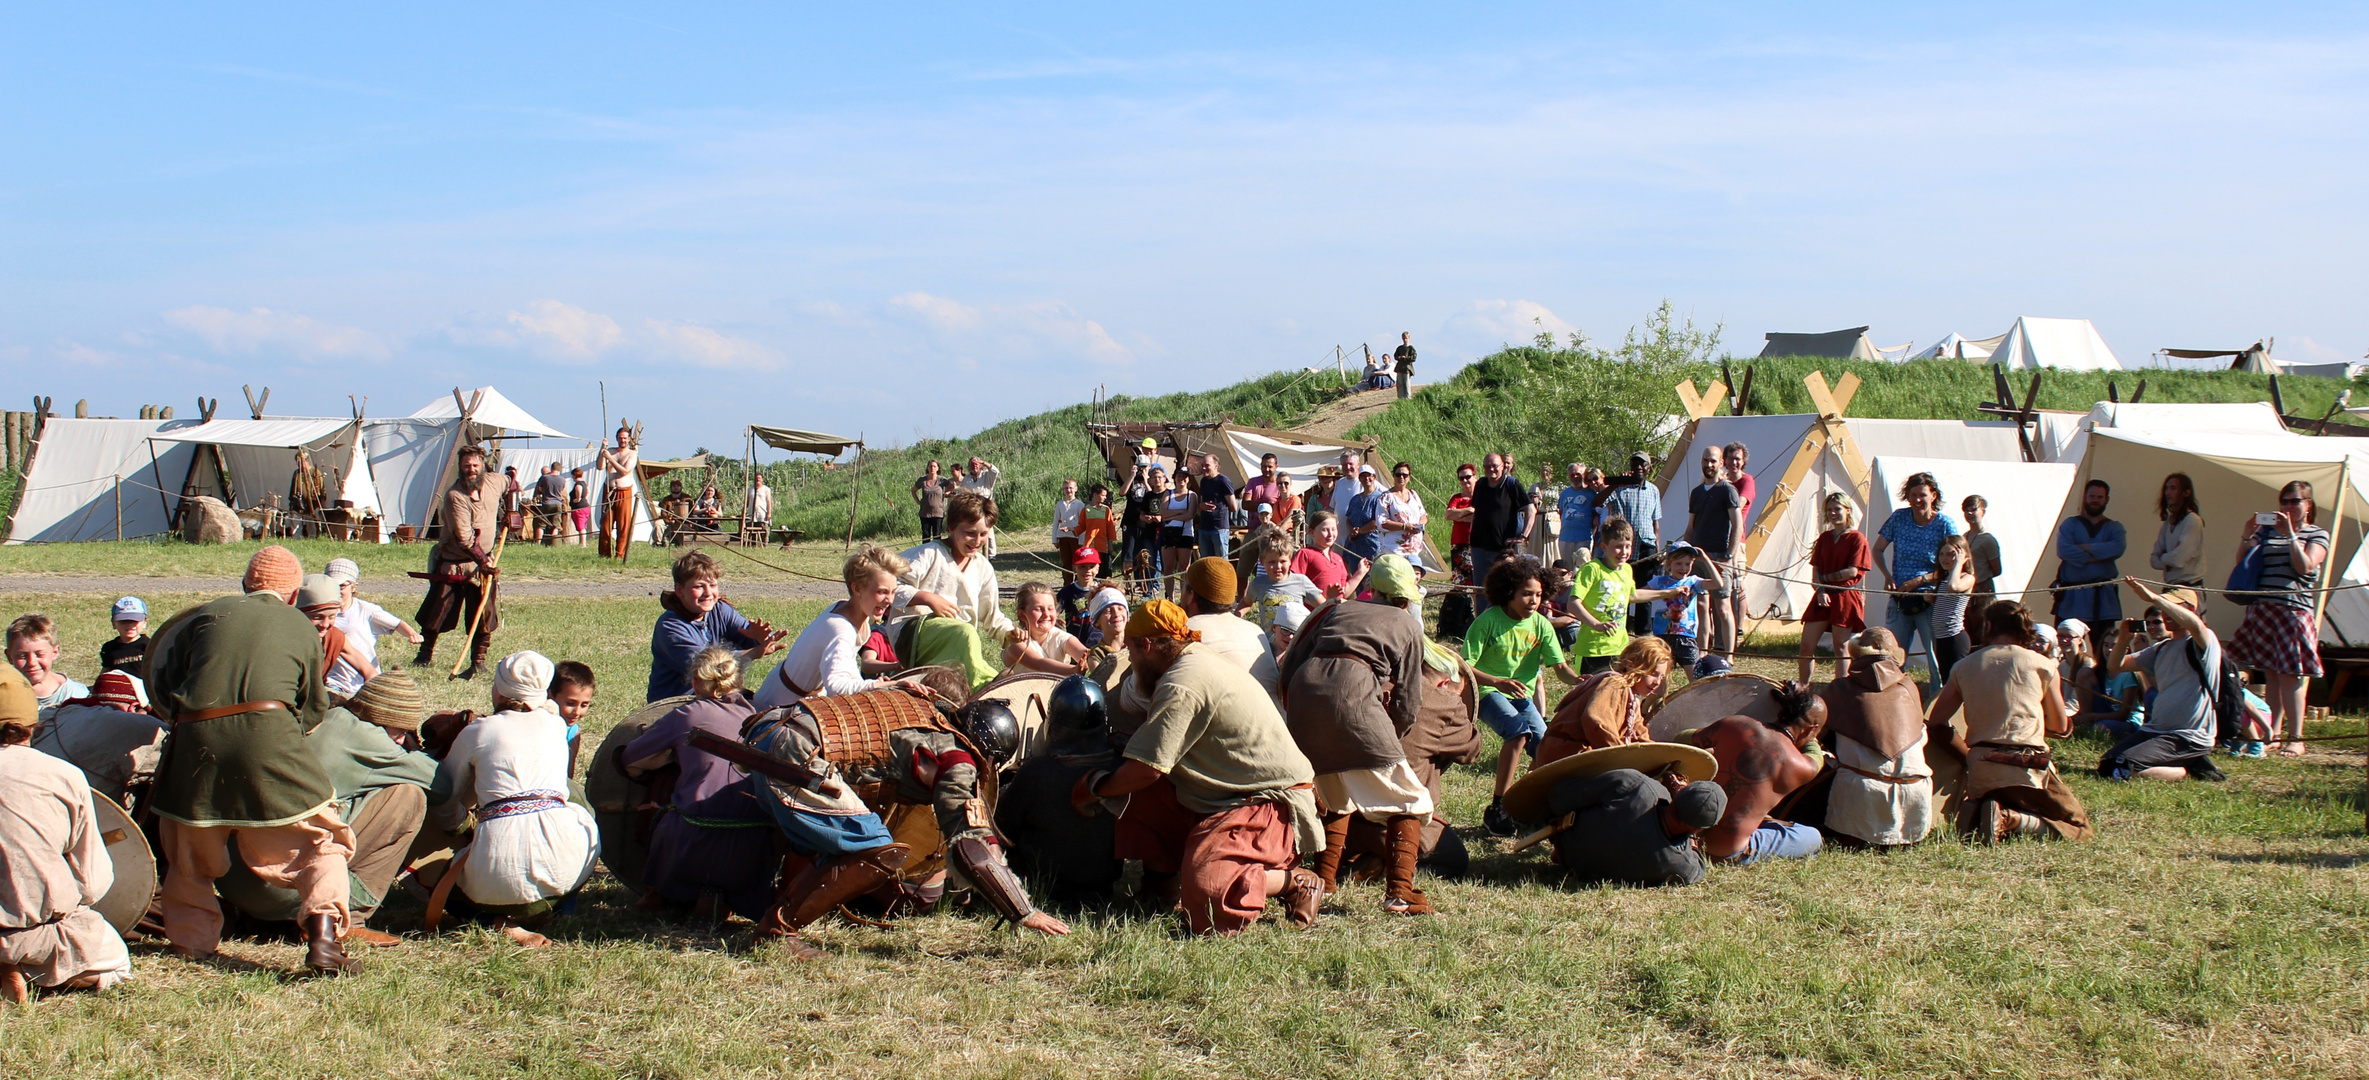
526,939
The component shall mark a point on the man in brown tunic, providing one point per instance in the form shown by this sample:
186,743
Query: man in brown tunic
1352,685
461,569
2014,704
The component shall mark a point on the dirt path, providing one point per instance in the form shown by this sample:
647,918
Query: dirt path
23,584
1335,419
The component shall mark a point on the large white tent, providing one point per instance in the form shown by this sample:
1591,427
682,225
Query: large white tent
2236,476
2065,436
1774,441
96,480
1957,346
257,458
2071,344
491,411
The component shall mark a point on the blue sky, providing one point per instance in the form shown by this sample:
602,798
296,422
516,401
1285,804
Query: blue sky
921,220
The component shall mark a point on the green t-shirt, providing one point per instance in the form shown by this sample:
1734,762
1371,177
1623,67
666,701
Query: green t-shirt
1498,645
1604,591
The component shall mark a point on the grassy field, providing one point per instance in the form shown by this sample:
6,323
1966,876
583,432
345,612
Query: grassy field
2211,930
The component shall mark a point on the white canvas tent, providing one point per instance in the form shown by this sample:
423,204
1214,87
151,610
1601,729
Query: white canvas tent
259,458
2022,500
499,414
90,476
2064,436
1956,346
2071,344
2236,476
1774,442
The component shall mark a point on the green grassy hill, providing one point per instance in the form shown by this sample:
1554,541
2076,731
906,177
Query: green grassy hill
1545,404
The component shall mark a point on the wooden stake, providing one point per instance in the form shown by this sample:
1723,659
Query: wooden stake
484,600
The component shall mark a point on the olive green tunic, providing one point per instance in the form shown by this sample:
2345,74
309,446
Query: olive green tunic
254,769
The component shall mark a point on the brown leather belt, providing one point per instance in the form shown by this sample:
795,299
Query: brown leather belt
220,711
1902,780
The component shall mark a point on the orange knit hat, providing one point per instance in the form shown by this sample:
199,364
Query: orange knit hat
274,570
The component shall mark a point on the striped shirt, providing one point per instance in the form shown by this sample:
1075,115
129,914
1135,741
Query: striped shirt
2280,581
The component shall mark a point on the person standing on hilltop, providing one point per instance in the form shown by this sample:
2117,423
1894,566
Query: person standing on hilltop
1406,364
981,482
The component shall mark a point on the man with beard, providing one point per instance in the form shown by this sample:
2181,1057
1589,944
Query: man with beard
461,585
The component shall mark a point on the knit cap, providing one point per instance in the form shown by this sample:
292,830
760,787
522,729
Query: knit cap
392,701
273,570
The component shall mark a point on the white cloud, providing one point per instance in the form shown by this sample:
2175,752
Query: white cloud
1043,330
566,329
261,330
707,348
1488,324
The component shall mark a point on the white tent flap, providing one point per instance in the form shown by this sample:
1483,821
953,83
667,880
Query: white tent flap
2021,499
85,470
493,411
2072,344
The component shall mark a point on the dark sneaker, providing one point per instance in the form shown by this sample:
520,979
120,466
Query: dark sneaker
1496,820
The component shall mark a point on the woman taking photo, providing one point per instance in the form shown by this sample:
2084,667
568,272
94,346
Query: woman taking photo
1953,586
1838,563
2280,635
2179,544
1913,534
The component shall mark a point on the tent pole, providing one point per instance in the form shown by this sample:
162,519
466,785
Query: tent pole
158,475
2344,484
855,489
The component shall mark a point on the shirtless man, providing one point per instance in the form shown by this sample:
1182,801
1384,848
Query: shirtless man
1760,764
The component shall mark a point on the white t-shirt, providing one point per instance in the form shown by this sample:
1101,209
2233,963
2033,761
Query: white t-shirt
972,590
982,483
1065,518
825,660
1410,542
362,622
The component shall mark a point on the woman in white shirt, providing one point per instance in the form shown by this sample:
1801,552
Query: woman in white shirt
1402,514
1066,515
954,580
531,847
824,661
1040,644
2179,543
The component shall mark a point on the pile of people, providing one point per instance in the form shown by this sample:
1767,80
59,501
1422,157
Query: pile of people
1270,726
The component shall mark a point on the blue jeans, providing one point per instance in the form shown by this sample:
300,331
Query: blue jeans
1903,625
1482,560
1776,841
1212,541
1513,718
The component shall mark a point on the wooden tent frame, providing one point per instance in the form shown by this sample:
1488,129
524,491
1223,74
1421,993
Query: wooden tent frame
1828,430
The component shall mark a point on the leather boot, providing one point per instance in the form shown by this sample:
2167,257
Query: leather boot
427,654
824,886
1400,896
323,953
12,984
1302,896
1336,843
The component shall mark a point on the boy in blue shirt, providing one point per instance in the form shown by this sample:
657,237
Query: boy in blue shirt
1674,615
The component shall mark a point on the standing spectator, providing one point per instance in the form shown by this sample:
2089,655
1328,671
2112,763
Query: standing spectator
1345,488
2179,544
981,481
1639,505
1139,527
1985,545
1497,503
2281,632
1068,513
1177,549
1838,563
757,510
1913,534
1287,506
1098,526
1402,514
1546,517
1364,521
1213,525
1715,523
1460,511
1405,356
1321,563
1953,585
1263,535
579,519
1267,488
620,477
1737,458
929,496
551,503
1685,582
1575,506
513,503
2088,543
1605,588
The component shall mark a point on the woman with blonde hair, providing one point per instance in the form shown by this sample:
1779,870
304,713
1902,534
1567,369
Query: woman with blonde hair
1838,563
1608,708
824,661
1039,643
711,845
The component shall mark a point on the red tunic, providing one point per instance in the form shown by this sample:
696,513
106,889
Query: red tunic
1833,552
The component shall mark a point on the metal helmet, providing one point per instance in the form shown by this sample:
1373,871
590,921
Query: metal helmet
991,727
1077,707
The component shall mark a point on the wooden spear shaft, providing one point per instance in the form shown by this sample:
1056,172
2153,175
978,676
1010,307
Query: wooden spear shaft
485,599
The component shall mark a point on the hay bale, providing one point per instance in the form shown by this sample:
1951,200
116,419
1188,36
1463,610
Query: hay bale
205,520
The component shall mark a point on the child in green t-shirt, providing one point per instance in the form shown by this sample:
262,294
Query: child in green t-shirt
1606,587
1508,646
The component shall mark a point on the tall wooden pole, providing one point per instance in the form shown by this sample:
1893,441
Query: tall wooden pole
855,489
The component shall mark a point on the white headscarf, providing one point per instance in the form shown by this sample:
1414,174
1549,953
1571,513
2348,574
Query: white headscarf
525,677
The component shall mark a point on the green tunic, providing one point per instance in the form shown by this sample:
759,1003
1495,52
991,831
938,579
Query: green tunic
253,769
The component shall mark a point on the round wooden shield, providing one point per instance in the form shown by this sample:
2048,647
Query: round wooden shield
1026,693
135,865
1527,799
1702,701
616,797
